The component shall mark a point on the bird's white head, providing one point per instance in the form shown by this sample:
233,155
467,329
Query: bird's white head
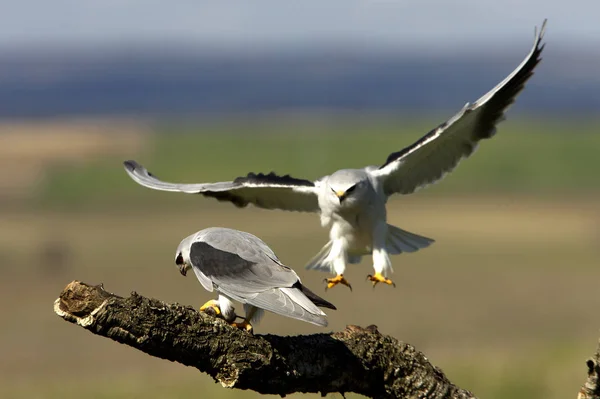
348,187
182,256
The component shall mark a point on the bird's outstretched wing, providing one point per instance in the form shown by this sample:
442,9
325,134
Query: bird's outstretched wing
440,150
268,191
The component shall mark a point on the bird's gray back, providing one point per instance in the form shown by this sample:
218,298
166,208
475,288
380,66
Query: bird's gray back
246,245
242,267
239,263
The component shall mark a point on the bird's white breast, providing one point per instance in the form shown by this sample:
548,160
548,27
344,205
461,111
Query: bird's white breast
354,224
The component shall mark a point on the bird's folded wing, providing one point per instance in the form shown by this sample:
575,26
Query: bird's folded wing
230,270
258,289
439,151
226,259
279,301
241,243
268,191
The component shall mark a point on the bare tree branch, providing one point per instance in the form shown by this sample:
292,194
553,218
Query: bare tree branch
591,388
357,359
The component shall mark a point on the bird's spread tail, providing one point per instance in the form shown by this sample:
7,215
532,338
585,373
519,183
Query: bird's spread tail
399,241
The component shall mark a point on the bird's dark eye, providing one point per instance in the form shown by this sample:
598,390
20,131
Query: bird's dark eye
351,189
179,260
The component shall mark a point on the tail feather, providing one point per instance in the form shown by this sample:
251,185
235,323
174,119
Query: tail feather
399,241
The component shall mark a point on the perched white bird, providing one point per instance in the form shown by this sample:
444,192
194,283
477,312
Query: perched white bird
352,202
241,267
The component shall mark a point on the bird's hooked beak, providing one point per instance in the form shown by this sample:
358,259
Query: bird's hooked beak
183,267
341,195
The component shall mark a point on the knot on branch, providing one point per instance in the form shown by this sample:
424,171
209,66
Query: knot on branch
79,302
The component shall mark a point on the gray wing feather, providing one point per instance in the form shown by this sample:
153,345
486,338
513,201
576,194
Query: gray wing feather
247,280
241,243
301,299
205,281
439,152
244,268
277,301
264,191
239,261
285,301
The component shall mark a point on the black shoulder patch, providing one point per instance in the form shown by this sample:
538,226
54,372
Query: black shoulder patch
272,178
399,154
214,262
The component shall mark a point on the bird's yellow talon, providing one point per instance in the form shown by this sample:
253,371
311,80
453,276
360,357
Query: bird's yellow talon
378,278
211,304
243,325
339,279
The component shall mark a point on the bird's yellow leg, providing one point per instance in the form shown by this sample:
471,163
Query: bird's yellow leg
339,279
214,304
246,323
243,325
378,278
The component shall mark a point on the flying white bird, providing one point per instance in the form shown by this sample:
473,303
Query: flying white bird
352,202
241,267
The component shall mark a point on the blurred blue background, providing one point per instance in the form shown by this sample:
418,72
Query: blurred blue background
203,91
154,58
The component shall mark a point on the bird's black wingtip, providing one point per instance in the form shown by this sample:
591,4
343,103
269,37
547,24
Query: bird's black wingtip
314,298
131,165
542,29
322,303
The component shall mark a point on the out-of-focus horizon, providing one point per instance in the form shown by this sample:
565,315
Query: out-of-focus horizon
392,24
153,59
206,91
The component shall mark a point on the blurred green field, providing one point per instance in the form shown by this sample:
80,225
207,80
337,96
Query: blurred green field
542,157
503,301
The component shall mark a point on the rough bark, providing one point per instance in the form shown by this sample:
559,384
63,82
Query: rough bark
357,359
591,388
